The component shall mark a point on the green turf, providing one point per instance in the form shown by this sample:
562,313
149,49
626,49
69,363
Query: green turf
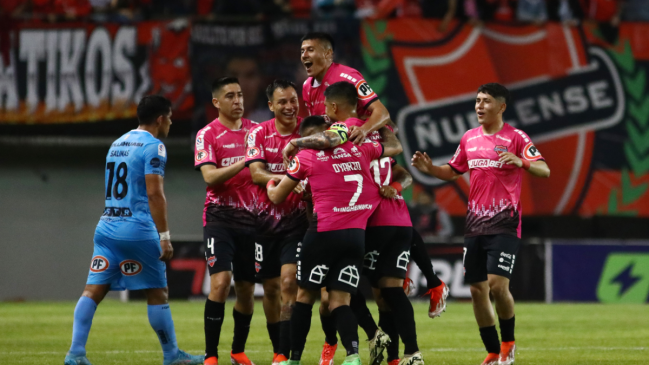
39,333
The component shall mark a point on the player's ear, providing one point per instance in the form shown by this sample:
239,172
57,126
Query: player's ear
215,102
503,107
270,106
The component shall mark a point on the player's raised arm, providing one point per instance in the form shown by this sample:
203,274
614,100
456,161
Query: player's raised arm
391,144
423,163
379,117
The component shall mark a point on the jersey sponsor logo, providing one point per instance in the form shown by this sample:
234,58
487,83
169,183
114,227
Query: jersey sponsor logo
271,135
99,264
472,149
349,275
117,212
340,153
403,260
294,166
500,149
318,274
221,135
253,152
273,150
484,162
211,261
364,90
275,167
161,150
128,144
155,162
119,153
503,138
231,145
201,155
530,152
231,160
348,77
130,267
370,260
346,166
321,156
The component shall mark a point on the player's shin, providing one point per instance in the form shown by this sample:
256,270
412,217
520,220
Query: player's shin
404,316
300,326
241,331
83,314
419,255
329,328
387,322
347,327
358,305
163,325
213,320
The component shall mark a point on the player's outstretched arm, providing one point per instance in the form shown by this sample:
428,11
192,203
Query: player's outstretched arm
391,144
279,193
318,141
401,179
536,168
423,163
215,176
378,118
158,208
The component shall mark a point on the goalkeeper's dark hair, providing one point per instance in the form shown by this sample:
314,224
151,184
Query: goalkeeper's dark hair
313,121
218,84
325,38
496,90
342,92
151,107
278,84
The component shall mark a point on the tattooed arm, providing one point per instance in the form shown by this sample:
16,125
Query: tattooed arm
391,144
318,141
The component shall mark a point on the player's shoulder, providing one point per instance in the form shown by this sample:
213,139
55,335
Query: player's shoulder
472,133
354,122
308,82
210,128
516,133
345,71
248,124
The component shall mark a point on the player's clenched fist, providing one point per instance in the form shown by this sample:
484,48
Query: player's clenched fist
421,161
167,250
388,191
509,158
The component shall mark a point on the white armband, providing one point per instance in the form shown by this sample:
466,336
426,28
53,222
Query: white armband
165,236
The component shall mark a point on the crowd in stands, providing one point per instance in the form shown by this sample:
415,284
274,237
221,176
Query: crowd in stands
526,11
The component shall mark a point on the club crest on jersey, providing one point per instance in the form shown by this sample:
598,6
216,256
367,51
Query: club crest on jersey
530,152
364,90
500,149
211,261
294,166
376,144
130,267
201,155
99,264
253,152
257,267
161,150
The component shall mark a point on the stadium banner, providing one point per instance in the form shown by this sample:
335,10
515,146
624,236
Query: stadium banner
606,271
258,53
579,92
83,72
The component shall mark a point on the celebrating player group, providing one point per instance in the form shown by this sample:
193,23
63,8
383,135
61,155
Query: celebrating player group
305,207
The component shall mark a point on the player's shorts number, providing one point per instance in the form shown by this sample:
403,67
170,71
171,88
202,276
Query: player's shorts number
359,188
120,189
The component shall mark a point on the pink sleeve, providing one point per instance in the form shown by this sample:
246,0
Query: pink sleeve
205,149
526,149
459,160
365,93
300,166
254,145
372,150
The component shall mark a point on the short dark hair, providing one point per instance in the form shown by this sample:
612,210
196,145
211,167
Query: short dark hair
342,91
218,84
321,36
278,84
312,121
151,107
496,90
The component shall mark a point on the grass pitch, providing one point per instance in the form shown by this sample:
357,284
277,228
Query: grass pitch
40,333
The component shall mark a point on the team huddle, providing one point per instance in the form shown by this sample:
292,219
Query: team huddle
305,207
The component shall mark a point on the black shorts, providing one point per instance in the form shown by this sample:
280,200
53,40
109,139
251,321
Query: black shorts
271,253
387,252
331,259
489,254
228,249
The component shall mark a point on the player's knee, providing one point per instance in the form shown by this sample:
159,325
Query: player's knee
289,285
220,285
478,291
499,289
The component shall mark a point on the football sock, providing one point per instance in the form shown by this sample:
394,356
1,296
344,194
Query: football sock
213,320
490,339
363,315
284,338
83,313
163,325
273,333
300,326
241,331
507,328
329,329
389,326
404,317
347,327
420,257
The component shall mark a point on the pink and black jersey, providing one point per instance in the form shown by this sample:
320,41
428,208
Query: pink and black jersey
344,195
232,203
265,144
391,212
313,92
494,197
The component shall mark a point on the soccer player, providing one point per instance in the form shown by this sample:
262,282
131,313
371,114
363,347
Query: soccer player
228,219
280,227
332,251
497,155
132,238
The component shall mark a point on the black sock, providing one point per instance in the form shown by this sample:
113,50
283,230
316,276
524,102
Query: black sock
420,256
329,329
241,331
284,338
490,339
300,326
389,326
213,320
404,317
273,333
347,327
363,314
507,328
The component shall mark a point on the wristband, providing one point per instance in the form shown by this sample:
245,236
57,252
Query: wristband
397,186
165,236
270,183
526,164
